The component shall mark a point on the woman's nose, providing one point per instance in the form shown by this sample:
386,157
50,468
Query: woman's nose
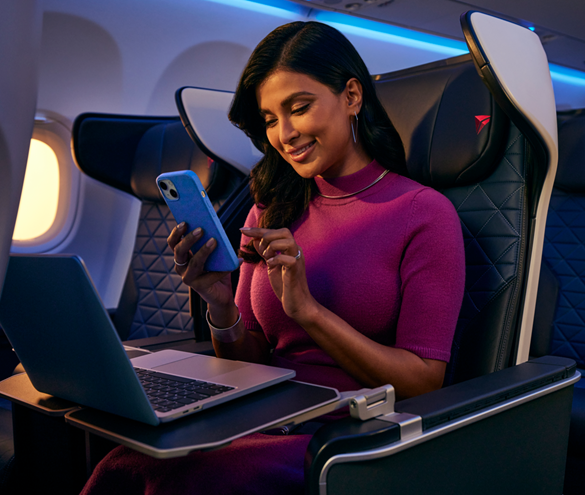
288,132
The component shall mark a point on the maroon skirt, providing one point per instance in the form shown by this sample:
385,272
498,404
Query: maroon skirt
256,464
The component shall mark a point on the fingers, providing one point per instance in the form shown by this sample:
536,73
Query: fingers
198,280
269,242
254,231
183,249
176,235
187,264
280,246
266,236
284,261
196,261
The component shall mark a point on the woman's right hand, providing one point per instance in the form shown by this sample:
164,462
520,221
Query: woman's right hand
214,287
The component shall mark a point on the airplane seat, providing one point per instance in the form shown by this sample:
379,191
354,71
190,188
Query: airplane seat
493,152
128,153
564,255
564,244
495,427
459,141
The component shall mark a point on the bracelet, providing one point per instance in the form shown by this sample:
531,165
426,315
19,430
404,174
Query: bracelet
226,335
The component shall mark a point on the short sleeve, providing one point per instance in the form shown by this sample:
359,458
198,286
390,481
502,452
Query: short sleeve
432,277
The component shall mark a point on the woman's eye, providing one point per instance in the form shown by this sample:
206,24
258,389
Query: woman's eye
300,110
269,123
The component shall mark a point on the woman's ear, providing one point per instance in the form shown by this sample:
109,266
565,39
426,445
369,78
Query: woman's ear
354,93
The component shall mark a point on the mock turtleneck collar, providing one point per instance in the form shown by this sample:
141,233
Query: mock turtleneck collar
338,186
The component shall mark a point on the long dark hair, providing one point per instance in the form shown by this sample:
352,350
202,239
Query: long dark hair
323,53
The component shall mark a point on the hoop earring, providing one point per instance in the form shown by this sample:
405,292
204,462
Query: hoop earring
356,125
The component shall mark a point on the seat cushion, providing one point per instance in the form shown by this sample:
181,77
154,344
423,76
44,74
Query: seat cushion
564,250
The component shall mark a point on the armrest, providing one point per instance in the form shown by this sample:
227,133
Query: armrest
441,406
482,397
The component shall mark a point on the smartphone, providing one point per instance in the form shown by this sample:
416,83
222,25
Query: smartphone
187,199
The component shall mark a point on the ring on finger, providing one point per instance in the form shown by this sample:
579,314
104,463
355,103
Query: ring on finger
181,264
298,256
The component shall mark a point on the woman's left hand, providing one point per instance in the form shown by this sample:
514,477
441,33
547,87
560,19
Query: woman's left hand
286,269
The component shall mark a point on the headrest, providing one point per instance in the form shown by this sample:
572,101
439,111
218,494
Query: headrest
204,115
451,128
129,152
166,148
104,145
571,169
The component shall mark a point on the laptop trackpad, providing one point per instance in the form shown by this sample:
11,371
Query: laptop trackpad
202,367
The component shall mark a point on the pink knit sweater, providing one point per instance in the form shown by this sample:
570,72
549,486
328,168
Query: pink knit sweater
389,261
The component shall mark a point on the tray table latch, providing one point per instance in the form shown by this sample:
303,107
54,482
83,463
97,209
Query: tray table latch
377,402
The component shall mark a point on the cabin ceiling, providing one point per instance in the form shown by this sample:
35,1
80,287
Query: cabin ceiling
560,24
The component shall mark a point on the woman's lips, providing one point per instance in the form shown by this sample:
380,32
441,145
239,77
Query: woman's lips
301,153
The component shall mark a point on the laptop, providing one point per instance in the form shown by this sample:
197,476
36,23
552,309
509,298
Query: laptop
56,322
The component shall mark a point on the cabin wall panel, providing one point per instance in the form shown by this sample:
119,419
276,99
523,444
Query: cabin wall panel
162,46
215,64
81,66
150,35
19,52
103,235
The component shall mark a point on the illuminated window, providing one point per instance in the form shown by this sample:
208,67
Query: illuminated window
52,185
40,193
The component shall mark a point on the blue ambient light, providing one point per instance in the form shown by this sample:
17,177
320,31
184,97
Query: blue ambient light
566,75
382,32
392,34
284,9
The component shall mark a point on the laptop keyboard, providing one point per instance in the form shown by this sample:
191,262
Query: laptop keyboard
167,392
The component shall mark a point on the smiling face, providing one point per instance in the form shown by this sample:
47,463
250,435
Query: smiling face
309,125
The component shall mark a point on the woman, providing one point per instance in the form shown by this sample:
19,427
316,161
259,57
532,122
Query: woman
352,275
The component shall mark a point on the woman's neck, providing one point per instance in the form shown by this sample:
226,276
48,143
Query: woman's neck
357,160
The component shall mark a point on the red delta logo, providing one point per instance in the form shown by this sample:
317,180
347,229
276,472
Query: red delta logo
480,122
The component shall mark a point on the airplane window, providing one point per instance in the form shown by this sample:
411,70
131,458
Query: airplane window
51,189
40,193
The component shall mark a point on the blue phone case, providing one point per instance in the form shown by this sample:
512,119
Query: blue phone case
192,206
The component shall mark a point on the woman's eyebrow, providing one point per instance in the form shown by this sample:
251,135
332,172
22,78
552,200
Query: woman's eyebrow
288,100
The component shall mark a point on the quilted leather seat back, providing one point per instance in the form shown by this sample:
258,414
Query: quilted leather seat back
564,244
458,141
129,153
162,300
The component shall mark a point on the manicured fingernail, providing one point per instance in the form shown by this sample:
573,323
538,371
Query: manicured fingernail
181,225
270,261
197,231
245,229
264,252
210,242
